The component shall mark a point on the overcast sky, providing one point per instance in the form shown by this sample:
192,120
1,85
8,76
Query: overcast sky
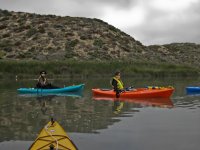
149,21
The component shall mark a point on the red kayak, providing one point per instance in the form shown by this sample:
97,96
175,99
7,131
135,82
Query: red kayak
136,93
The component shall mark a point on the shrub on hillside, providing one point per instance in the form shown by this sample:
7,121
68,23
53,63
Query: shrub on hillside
50,34
2,53
6,13
17,43
6,45
41,30
2,26
71,44
98,43
31,32
6,35
112,28
85,36
4,19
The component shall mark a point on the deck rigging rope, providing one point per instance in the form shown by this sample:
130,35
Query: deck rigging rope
46,129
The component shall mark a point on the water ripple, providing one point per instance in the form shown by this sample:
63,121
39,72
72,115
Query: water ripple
190,102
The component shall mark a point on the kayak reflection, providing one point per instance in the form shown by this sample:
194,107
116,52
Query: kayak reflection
154,102
67,94
43,102
45,98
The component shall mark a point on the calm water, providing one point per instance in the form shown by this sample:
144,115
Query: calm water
103,125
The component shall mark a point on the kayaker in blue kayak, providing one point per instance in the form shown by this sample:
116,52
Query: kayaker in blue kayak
117,84
43,82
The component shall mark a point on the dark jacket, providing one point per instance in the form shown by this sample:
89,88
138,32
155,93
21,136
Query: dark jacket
114,84
118,91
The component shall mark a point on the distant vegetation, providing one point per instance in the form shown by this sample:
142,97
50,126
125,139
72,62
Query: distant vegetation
94,69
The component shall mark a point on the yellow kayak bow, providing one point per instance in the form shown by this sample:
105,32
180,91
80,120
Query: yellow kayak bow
53,137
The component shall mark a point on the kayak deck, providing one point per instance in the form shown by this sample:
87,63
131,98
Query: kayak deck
53,135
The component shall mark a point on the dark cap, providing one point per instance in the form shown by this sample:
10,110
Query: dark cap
117,73
43,72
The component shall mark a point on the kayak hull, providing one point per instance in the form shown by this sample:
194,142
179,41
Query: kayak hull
136,93
73,88
193,89
53,135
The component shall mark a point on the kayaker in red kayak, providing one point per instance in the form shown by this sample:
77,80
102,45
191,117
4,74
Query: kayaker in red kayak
117,84
43,82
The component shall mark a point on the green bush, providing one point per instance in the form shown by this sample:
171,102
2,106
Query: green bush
6,45
2,54
98,43
41,30
31,32
6,13
3,26
50,34
6,35
69,45
112,28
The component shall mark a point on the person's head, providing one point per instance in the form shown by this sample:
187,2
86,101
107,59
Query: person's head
117,74
43,73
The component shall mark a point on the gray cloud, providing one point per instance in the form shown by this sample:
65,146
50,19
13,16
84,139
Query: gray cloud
64,7
120,4
158,27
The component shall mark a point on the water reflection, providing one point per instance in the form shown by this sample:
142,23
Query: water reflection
45,98
194,93
117,106
22,116
68,94
43,102
154,102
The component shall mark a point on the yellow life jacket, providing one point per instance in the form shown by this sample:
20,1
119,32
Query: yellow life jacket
120,84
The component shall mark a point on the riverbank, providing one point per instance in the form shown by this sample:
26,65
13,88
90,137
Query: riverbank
23,69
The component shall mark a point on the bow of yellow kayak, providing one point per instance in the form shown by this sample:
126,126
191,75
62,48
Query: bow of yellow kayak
53,136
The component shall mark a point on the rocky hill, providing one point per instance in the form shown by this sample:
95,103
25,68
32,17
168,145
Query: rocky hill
47,37
177,53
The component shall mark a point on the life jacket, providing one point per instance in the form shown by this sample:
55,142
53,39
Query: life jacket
120,84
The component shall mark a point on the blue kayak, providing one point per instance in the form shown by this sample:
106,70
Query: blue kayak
194,89
73,88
